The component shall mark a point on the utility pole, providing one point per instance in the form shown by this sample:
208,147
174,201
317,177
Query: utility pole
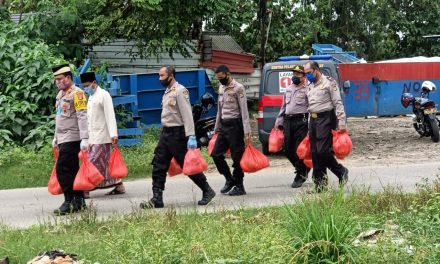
263,18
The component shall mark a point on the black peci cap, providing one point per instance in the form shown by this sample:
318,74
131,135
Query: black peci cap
88,77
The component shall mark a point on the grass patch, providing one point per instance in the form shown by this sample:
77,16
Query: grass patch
316,229
21,168
322,229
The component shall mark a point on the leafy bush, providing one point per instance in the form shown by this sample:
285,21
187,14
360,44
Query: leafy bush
26,85
321,229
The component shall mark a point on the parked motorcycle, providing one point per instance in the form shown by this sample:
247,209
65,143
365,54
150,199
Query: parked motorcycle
204,126
425,120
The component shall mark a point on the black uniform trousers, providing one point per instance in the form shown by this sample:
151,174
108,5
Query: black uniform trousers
67,167
295,130
321,141
172,143
231,136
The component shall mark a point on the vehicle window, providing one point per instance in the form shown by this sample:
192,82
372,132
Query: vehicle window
278,80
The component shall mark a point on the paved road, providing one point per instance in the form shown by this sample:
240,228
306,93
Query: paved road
25,207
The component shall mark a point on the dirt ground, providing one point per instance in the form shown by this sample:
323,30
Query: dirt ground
378,141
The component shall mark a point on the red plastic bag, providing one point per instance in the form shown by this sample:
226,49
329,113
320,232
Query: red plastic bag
211,145
276,140
88,175
342,144
194,162
174,168
253,160
303,151
53,185
116,164
308,163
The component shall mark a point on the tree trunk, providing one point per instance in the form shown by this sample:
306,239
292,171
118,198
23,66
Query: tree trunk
263,5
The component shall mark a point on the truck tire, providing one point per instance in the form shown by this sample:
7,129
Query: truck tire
434,130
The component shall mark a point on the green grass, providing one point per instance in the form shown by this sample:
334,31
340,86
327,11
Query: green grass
322,229
21,168
316,229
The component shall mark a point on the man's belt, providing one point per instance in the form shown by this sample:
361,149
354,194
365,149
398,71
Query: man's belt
230,121
295,116
173,129
320,115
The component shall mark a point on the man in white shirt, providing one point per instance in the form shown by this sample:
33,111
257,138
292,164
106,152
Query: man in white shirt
102,131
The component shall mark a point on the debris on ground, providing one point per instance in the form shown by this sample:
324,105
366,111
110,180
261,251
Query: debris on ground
54,257
390,233
370,236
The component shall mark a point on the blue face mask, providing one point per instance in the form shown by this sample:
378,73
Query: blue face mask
89,90
310,77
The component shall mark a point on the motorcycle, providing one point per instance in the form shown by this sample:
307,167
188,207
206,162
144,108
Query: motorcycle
204,126
425,120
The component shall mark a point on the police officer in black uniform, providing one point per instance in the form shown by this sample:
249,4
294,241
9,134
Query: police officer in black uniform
71,135
232,124
176,137
326,113
293,118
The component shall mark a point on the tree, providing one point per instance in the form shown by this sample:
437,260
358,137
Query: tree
414,20
155,26
26,86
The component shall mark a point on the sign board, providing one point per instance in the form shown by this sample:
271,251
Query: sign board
284,80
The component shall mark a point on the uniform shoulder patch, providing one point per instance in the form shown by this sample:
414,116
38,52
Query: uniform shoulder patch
239,89
80,95
79,100
185,93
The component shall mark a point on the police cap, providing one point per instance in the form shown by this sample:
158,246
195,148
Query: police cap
60,69
298,68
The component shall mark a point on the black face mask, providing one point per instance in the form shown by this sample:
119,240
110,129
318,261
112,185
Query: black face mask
224,81
296,80
165,82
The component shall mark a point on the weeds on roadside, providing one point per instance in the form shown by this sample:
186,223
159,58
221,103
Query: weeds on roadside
321,229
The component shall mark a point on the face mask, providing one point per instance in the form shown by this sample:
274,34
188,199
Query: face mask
310,77
165,82
296,80
62,84
89,90
224,81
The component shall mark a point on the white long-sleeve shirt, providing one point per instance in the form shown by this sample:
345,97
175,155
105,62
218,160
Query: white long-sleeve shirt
101,117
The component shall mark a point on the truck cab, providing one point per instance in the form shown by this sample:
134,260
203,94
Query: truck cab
276,77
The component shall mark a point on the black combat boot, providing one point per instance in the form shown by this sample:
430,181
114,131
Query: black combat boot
238,188
223,169
298,181
228,186
65,207
155,202
78,202
237,191
343,179
208,194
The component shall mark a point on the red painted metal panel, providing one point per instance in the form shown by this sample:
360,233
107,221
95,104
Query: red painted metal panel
390,71
232,68
271,100
232,55
236,62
